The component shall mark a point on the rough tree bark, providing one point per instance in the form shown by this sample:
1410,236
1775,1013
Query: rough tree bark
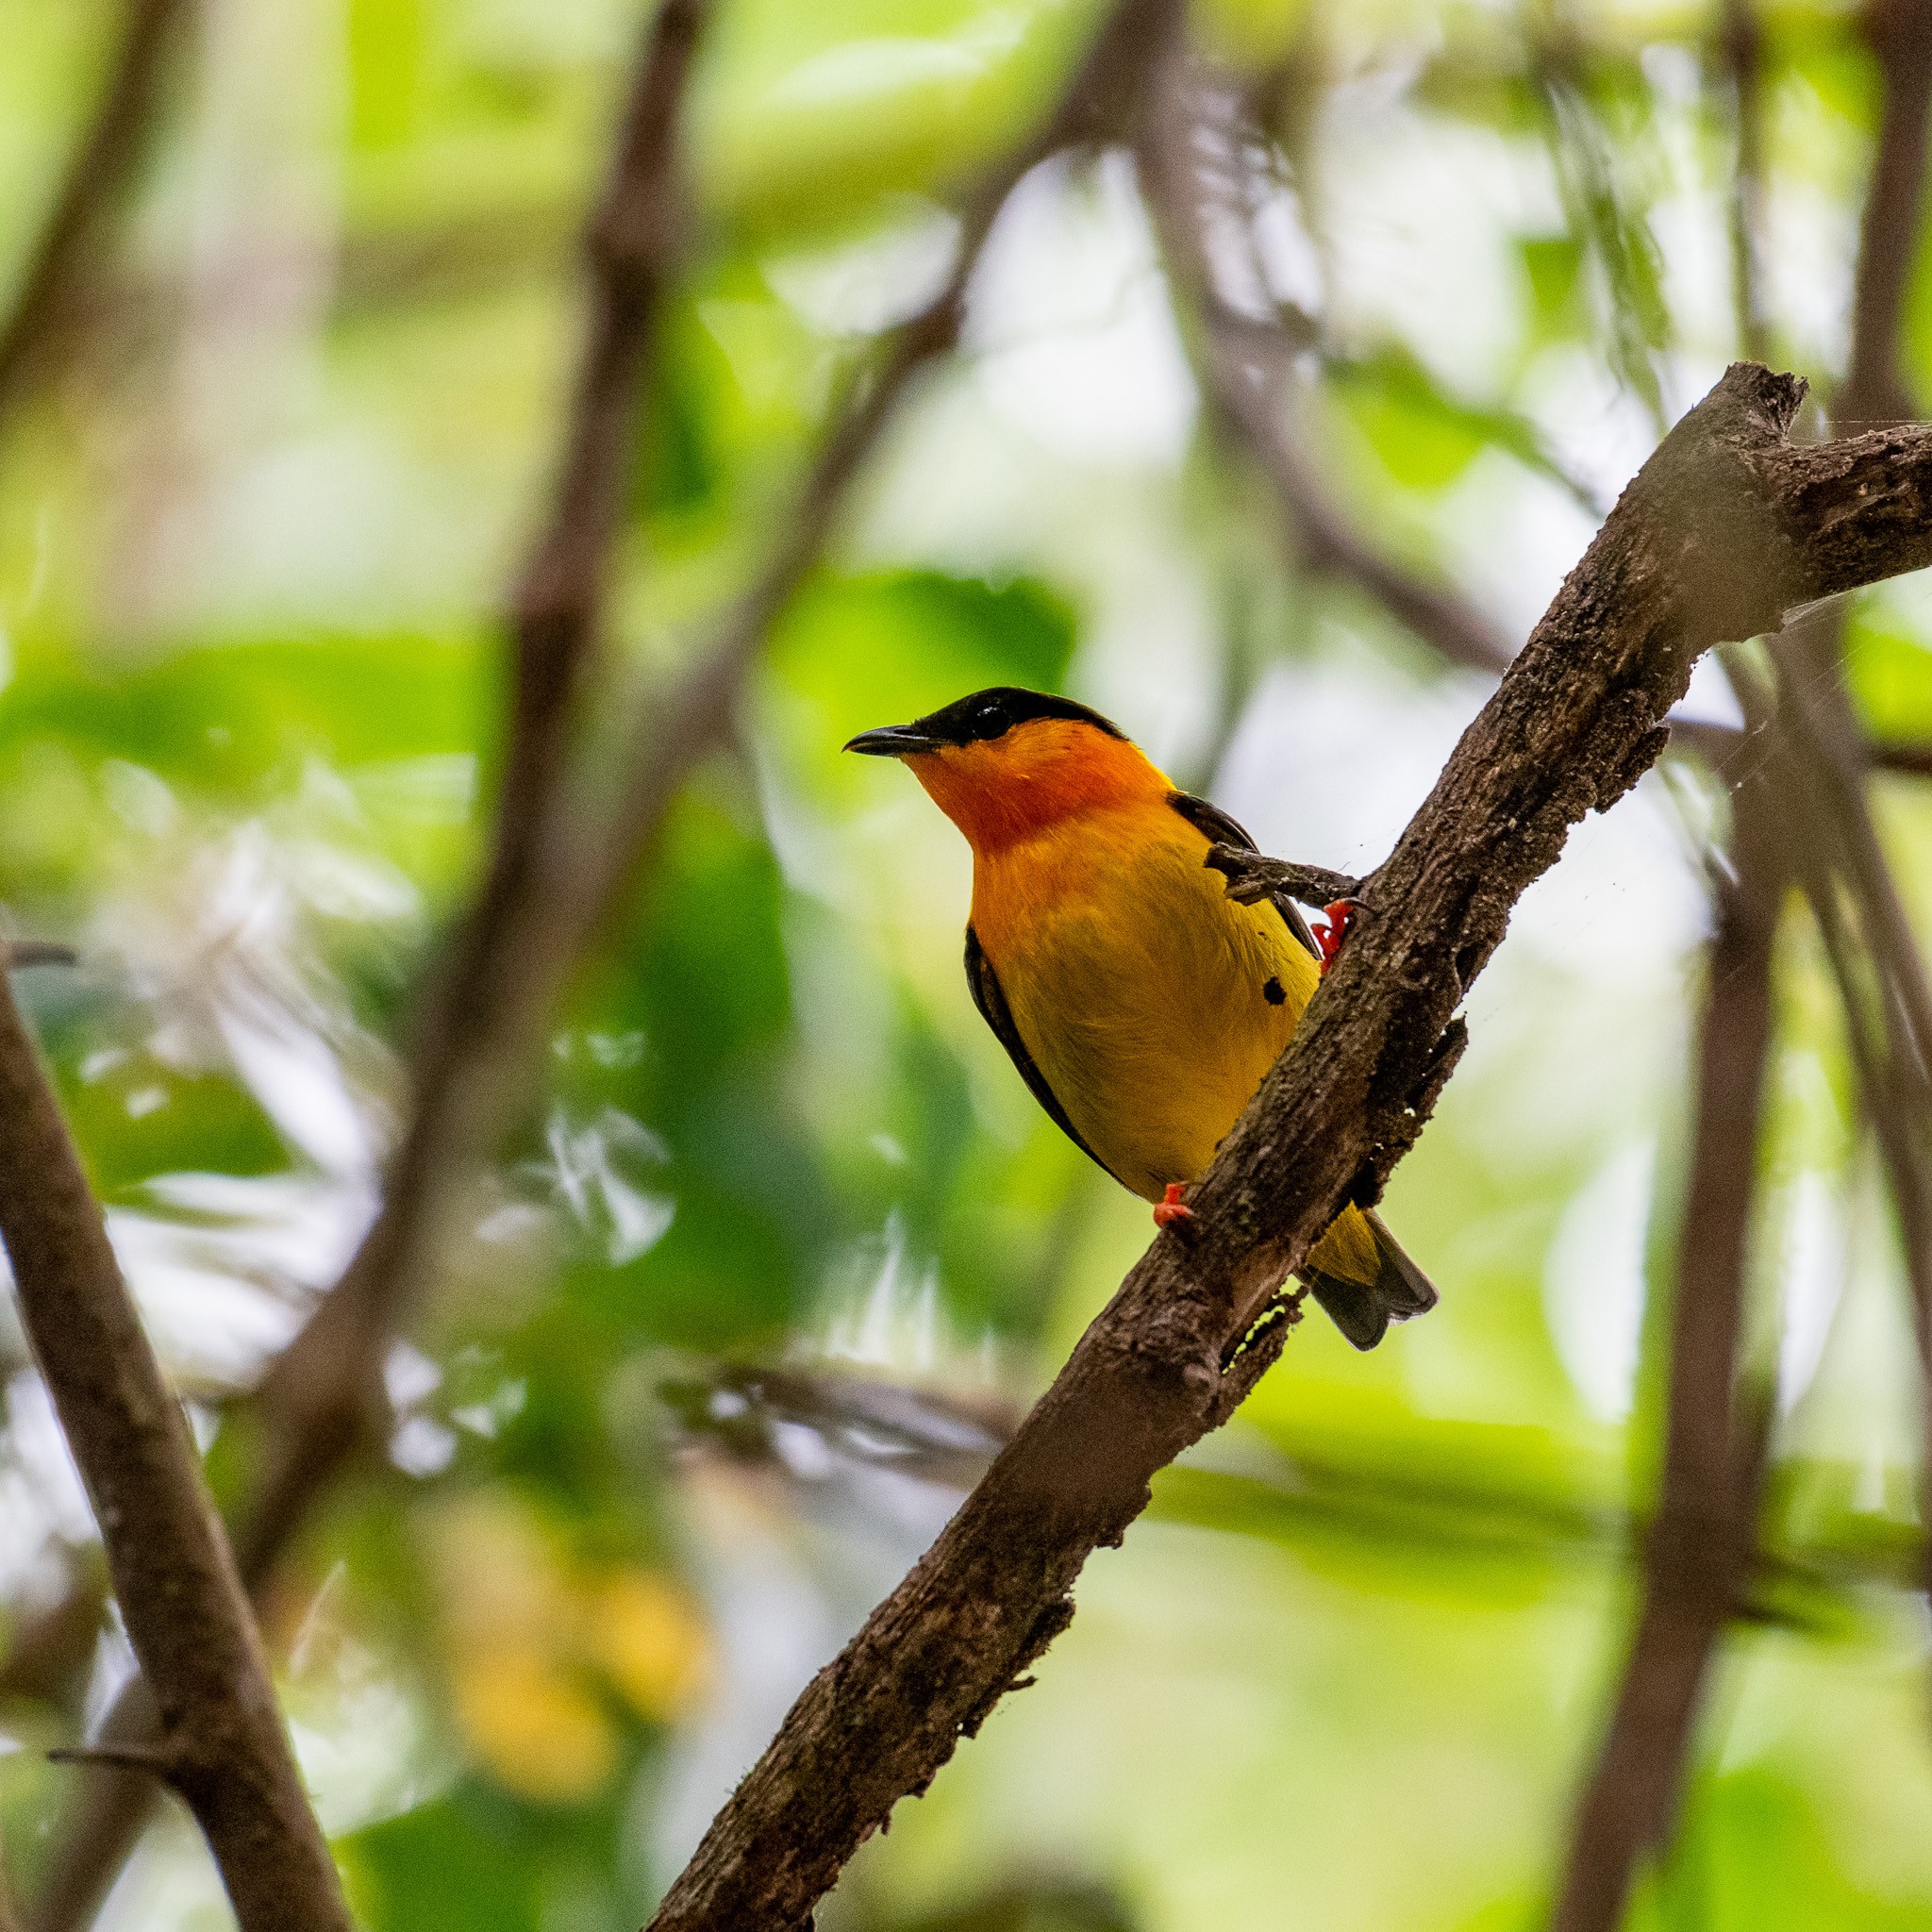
219,1741
1726,528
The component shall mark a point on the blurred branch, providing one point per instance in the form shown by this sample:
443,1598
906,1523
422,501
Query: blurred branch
1910,760
1453,1490
46,1651
1892,1036
1726,528
219,1741
1833,845
1741,39
1592,187
573,867
1248,371
100,169
1873,391
1699,1547
562,866
1800,800
1816,708
927,1433
322,1393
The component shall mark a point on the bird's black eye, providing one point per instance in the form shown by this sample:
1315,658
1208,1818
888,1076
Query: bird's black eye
991,720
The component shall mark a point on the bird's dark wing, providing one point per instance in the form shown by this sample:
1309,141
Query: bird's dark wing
1220,829
994,1010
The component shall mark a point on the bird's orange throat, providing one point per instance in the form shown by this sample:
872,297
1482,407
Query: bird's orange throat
1037,775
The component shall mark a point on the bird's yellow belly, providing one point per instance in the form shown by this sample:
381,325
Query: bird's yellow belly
1145,995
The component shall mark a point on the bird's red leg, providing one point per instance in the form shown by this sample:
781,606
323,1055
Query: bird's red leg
1329,937
1170,1208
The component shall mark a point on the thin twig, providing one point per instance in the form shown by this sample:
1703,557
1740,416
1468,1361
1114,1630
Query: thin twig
101,167
181,1600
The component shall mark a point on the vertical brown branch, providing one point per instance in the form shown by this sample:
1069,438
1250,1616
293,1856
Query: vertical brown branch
1701,1537
1873,391
220,1741
101,166
1803,795
1856,899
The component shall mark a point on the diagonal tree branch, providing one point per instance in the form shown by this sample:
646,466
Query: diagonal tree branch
100,169
219,1741
1726,528
326,1385
575,877
1894,1048
1246,365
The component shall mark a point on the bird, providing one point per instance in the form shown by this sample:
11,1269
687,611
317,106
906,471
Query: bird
1140,1003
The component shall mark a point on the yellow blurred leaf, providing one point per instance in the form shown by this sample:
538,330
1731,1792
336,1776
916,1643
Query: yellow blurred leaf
649,1637
532,1728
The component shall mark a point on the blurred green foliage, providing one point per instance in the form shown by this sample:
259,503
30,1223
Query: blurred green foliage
254,547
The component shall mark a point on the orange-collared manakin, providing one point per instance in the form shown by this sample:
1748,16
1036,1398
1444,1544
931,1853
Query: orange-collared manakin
1141,1003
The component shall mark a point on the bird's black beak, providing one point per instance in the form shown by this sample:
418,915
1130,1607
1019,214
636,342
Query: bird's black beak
892,741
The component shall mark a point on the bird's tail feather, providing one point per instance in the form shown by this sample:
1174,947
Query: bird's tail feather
1363,1309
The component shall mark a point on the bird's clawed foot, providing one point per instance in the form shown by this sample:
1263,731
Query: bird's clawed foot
1170,1208
1340,913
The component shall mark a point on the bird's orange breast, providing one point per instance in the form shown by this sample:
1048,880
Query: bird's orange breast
1151,1002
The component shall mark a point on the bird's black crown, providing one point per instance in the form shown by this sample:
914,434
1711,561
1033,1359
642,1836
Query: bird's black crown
991,713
